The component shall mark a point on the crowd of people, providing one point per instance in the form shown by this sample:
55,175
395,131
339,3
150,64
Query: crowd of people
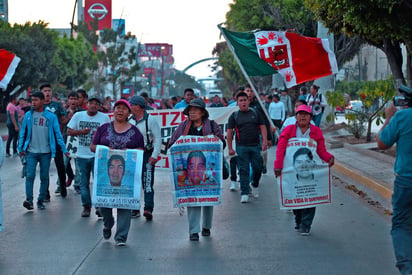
40,126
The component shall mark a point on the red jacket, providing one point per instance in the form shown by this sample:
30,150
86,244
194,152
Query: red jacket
290,132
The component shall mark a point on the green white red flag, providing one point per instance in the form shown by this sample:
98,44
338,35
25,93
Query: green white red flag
297,58
8,65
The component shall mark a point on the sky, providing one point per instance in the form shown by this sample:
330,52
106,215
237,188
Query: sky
189,25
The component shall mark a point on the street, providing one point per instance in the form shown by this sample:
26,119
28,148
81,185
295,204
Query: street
348,237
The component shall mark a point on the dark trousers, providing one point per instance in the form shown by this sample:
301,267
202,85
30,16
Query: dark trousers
13,136
147,182
304,217
233,168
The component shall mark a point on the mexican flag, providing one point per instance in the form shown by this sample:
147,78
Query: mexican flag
297,58
8,65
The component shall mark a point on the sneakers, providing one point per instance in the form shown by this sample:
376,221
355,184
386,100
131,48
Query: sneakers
135,213
120,243
244,198
98,214
264,171
194,237
15,155
107,233
148,215
297,227
47,199
205,232
28,205
69,182
233,186
8,155
305,232
255,191
86,211
57,192
40,205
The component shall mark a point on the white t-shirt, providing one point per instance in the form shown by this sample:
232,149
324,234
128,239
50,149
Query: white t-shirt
81,120
277,110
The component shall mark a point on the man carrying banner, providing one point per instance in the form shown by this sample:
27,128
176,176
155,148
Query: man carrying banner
150,129
245,123
302,129
83,125
197,124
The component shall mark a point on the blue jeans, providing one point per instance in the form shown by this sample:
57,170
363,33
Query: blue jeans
85,168
44,160
147,182
402,223
317,119
249,155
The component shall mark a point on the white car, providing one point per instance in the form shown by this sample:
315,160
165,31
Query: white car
355,106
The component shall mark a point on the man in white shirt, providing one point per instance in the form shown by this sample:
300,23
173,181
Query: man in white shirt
83,125
277,111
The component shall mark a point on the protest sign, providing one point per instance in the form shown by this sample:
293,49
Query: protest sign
117,178
306,179
196,171
71,145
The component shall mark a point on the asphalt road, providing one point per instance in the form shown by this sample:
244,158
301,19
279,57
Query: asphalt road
348,236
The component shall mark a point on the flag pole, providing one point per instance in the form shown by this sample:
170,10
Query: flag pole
246,76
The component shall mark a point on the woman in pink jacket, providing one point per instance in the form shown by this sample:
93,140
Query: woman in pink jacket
302,129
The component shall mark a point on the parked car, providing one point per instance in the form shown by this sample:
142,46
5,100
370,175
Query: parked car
355,106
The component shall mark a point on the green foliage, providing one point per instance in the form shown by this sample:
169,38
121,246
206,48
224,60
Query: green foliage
373,94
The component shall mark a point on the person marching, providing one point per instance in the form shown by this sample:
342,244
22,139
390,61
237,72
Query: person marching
150,129
302,129
317,103
119,134
197,124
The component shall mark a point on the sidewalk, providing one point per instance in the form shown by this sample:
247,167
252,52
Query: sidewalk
359,165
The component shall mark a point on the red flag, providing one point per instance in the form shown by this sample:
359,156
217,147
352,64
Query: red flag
8,65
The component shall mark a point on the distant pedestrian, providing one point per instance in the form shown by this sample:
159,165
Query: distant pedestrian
287,102
82,98
150,129
317,103
216,102
39,138
188,95
248,126
397,129
12,126
303,93
277,111
302,129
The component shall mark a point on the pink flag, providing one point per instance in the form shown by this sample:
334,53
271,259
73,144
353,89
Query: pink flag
8,65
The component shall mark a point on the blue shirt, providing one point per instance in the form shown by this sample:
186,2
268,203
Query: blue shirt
399,131
181,104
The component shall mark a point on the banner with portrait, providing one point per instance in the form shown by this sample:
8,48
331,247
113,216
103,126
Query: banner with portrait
196,164
306,179
117,178
71,145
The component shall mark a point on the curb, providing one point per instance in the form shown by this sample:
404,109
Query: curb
375,185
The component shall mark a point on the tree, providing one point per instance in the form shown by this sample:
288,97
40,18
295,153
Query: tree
383,24
247,15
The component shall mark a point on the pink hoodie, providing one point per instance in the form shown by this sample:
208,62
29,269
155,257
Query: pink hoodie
290,132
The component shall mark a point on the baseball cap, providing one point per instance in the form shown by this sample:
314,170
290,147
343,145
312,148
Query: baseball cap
304,108
94,97
123,101
137,100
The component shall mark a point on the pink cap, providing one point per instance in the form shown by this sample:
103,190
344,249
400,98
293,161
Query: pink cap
125,102
304,108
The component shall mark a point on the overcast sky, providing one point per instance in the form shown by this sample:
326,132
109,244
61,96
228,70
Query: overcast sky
189,25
